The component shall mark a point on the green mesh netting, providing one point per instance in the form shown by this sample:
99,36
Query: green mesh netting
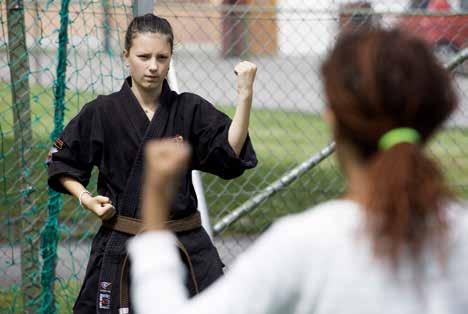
55,56
49,236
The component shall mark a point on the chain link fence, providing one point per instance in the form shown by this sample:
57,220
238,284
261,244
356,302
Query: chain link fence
71,52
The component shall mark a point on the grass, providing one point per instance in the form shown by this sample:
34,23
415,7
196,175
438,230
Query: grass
282,140
65,294
42,104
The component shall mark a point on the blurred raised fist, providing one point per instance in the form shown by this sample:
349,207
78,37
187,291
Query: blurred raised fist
165,161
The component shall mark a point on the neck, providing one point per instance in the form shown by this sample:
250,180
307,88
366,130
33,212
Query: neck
357,186
147,98
357,180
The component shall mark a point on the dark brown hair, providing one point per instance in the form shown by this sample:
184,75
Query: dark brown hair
148,23
377,80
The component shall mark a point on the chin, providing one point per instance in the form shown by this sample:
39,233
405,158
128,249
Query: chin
153,85
150,85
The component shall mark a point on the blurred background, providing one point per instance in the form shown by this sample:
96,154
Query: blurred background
55,56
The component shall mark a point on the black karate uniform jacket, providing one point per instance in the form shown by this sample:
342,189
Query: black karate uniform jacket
108,133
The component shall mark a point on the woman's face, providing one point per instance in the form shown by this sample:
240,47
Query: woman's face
148,60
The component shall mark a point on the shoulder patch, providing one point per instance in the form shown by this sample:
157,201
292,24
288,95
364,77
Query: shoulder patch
58,144
52,151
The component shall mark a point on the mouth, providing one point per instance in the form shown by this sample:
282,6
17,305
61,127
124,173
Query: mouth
151,77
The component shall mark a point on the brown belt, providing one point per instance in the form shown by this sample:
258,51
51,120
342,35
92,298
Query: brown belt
134,226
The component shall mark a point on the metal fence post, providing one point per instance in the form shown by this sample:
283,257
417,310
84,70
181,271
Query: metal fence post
141,7
30,222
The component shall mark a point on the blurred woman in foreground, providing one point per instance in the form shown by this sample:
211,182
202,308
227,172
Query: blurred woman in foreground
395,242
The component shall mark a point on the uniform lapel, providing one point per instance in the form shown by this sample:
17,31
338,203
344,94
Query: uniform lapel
156,128
111,264
158,123
145,129
137,117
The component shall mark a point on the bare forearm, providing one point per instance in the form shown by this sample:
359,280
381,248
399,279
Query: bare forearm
240,123
237,134
155,207
164,162
98,205
72,185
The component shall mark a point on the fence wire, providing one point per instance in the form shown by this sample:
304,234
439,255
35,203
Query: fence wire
287,39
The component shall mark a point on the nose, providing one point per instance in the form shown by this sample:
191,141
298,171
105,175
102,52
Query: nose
153,64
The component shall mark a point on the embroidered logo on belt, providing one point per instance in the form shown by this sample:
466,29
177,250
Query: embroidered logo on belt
105,286
104,301
105,295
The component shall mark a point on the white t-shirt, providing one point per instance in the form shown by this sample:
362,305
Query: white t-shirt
318,261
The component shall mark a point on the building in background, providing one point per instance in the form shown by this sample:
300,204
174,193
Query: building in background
241,28
445,27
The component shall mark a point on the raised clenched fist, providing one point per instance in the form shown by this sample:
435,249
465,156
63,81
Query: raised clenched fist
245,72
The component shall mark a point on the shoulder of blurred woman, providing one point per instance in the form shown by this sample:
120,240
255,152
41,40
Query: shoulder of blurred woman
324,222
457,216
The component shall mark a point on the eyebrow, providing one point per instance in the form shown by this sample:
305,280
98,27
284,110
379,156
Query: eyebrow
160,54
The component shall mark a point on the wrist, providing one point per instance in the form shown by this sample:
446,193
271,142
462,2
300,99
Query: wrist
245,91
244,99
83,196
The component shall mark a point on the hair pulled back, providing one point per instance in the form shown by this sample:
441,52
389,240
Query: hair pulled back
377,80
148,23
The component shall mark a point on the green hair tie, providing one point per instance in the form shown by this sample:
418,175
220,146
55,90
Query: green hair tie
397,136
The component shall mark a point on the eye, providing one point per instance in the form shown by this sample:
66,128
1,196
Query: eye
143,57
163,57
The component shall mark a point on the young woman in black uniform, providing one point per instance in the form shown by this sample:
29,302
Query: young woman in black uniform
109,133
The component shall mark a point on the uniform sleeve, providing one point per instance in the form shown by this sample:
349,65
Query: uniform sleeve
211,150
265,279
77,149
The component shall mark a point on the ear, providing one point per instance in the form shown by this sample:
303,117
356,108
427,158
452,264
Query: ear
125,54
329,117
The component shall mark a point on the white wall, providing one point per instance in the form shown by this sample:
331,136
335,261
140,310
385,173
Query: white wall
309,26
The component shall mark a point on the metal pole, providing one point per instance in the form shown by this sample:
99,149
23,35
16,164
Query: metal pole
142,7
106,27
458,59
147,6
276,186
295,173
196,178
30,221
